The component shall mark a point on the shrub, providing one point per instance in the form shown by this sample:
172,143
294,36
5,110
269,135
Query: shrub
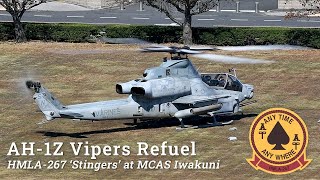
160,34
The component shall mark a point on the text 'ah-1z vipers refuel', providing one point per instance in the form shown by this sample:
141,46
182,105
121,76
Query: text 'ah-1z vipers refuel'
173,89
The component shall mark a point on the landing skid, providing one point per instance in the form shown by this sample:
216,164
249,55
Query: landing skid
187,127
216,124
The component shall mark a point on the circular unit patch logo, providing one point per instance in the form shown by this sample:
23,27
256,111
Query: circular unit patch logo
278,138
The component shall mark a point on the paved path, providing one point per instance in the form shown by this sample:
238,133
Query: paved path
150,16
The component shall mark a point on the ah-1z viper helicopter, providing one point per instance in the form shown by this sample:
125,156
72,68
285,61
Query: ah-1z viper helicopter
173,89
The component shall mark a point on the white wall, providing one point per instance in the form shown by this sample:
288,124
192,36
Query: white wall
291,4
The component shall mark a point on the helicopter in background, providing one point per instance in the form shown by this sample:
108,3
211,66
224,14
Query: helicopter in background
174,89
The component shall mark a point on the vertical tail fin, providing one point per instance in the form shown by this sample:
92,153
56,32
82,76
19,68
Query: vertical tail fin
47,103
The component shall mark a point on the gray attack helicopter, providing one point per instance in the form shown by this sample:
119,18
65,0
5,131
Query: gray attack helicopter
173,89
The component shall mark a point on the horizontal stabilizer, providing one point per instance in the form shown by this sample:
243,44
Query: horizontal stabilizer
71,115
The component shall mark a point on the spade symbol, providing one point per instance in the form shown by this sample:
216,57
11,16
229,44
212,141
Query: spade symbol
278,136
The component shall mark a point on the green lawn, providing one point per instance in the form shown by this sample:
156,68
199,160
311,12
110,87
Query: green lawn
88,72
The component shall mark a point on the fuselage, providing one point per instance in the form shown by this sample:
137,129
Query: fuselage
154,96
140,107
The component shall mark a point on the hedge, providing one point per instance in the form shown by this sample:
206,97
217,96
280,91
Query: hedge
160,34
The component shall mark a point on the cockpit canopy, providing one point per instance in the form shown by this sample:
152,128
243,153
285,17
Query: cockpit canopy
154,73
222,80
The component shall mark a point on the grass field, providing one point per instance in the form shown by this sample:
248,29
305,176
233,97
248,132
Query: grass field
88,72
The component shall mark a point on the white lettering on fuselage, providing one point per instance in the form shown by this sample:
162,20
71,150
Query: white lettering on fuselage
107,113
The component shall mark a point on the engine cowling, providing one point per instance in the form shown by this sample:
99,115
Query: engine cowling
157,88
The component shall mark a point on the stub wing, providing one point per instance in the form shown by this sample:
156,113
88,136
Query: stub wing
193,100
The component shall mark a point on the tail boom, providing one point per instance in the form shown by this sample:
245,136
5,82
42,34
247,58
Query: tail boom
46,102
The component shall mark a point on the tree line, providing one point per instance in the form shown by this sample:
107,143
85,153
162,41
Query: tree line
172,8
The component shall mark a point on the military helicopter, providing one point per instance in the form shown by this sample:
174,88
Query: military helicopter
174,89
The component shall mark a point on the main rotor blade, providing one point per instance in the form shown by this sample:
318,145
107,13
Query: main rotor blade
232,59
202,48
157,49
170,50
186,51
261,48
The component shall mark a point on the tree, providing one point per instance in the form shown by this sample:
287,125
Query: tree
17,8
188,8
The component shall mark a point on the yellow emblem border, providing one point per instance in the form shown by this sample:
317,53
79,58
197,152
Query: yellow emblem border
297,162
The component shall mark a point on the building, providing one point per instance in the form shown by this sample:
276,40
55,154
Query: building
292,4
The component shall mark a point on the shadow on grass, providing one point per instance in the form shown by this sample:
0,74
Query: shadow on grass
145,124
237,117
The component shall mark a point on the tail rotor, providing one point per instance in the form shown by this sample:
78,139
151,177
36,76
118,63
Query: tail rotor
33,85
